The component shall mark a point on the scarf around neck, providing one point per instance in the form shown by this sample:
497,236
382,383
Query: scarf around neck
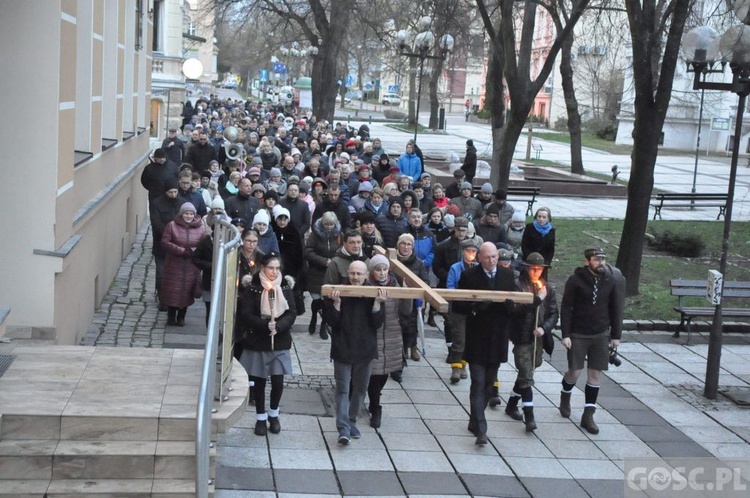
279,302
543,229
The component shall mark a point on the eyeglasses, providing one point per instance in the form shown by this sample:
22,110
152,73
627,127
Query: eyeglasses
250,241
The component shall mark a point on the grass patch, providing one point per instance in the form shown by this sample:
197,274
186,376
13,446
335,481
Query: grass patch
587,140
654,301
408,128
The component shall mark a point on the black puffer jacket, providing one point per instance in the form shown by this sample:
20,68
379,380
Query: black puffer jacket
353,329
254,328
390,228
578,312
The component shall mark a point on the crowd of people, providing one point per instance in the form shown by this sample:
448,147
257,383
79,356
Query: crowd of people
312,200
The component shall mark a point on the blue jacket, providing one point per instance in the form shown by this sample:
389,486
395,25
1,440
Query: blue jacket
424,245
409,164
454,274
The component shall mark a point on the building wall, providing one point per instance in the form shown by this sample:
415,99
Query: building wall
80,80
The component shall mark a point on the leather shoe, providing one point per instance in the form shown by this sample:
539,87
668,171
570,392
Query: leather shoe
260,428
481,439
471,428
274,425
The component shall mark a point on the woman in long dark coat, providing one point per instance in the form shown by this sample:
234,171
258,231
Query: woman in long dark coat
180,238
265,317
321,246
539,236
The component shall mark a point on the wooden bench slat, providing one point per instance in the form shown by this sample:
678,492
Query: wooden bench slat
696,288
702,284
728,292
697,199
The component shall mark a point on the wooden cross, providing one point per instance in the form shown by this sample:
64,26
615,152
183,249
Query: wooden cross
419,289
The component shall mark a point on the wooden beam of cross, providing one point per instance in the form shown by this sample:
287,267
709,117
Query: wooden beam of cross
419,289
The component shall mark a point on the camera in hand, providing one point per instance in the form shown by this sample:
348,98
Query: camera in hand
614,358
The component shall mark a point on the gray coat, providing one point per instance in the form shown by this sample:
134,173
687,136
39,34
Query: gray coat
390,341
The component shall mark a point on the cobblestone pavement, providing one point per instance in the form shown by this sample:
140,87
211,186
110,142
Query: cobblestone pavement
129,314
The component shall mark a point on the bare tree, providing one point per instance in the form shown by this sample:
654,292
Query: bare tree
527,68
323,23
656,28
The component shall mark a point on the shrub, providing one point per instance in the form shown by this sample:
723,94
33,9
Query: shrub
686,246
391,114
484,114
603,128
561,123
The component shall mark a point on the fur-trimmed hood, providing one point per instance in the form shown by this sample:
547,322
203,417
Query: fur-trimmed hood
247,280
320,231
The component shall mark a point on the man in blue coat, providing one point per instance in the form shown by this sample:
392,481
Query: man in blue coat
409,163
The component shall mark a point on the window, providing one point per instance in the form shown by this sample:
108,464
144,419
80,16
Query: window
157,42
191,29
138,24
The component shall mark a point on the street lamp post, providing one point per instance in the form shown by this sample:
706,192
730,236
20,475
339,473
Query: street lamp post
423,43
701,48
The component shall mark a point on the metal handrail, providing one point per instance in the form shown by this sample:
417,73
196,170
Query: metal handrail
207,390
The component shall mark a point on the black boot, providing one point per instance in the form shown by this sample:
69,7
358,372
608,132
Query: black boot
171,315
181,312
376,415
495,398
528,418
565,404
323,330
314,308
511,409
431,318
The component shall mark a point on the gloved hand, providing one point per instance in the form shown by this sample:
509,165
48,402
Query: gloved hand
419,303
481,307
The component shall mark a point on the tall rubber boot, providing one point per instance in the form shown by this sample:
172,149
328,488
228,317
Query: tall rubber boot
528,418
587,420
314,308
565,404
376,415
511,409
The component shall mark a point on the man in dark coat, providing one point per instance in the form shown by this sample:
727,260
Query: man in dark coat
470,161
350,250
174,147
161,211
454,189
354,344
392,224
243,205
486,333
299,211
201,154
333,202
156,173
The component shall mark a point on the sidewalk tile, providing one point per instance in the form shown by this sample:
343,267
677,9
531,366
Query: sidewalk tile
431,483
306,481
420,461
317,459
537,467
592,469
491,485
241,477
559,488
359,483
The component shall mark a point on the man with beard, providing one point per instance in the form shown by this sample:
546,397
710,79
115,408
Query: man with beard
591,323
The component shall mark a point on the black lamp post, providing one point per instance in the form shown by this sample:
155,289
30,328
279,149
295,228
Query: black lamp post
701,48
423,43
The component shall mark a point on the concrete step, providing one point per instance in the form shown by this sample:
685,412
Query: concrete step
101,488
109,460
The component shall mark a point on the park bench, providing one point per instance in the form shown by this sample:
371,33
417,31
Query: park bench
689,200
524,194
697,288
537,147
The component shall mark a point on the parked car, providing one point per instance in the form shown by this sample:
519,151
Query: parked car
231,85
352,95
390,99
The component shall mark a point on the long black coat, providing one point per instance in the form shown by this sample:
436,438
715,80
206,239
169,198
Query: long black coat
161,210
523,318
470,163
155,175
486,323
291,250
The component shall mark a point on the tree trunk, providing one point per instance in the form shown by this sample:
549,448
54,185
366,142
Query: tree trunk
513,128
495,102
643,158
324,85
571,104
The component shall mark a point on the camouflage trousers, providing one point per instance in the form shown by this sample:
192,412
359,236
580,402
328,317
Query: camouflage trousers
522,354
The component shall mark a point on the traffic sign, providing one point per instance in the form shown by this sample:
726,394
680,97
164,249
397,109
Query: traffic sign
368,86
264,75
721,124
279,67
392,88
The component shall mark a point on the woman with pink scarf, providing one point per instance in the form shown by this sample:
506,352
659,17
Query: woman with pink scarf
265,315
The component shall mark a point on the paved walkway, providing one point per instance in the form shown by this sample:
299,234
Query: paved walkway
651,406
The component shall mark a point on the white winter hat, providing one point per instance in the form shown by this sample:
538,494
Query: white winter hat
261,217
